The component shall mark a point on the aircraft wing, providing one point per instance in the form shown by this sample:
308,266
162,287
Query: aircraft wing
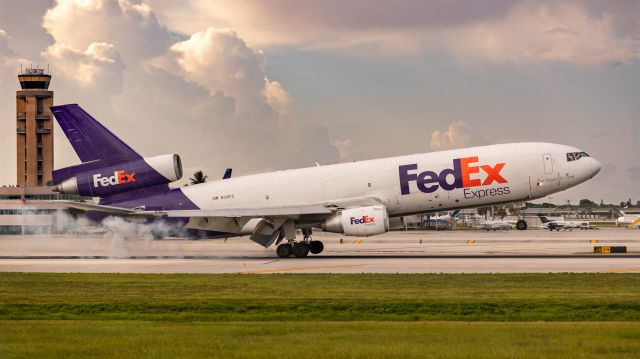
250,212
324,208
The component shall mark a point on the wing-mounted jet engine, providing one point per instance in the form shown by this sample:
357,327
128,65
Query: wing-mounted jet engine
360,222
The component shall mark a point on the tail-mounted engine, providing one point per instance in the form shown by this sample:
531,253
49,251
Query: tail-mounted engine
124,177
361,221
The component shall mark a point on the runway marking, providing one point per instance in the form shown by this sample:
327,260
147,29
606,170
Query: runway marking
626,270
357,241
471,241
273,270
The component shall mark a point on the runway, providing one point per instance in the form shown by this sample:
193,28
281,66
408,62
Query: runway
395,252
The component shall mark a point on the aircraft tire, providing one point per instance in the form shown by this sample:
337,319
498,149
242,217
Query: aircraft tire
316,247
300,250
521,225
284,250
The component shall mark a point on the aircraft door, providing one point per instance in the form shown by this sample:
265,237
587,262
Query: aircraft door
548,163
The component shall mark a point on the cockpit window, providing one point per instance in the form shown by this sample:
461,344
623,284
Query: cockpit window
574,156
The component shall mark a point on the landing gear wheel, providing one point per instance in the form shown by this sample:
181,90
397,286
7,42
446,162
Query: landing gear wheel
521,225
316,247
284,250
300,250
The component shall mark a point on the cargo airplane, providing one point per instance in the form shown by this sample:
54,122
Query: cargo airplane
363,198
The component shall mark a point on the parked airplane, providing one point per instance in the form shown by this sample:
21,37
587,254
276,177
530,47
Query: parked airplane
443,221
629,220
362,198
558,224
493,225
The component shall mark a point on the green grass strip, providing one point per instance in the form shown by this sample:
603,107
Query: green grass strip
138,339
321,297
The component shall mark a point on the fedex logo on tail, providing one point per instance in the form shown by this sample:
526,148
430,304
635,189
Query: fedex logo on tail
464,174
362,220
119,177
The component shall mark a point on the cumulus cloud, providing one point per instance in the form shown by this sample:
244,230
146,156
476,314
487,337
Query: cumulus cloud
131,26
98,65
459,134
220,60
208,87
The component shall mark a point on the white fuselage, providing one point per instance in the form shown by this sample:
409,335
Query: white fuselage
411,184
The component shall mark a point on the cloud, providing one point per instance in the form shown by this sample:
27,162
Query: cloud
459,134
538,32
314,145
99,65
344,149
323,24
208,87
130,26
219,60
491,31
23,20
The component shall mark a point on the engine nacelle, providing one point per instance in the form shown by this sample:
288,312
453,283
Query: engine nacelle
124,177
360,221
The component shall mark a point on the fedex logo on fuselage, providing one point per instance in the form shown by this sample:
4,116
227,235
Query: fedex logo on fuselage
463,175
118,177
362,220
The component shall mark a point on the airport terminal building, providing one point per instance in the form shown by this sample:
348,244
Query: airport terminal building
32,210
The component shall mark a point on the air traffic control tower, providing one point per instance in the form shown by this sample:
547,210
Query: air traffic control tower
34,127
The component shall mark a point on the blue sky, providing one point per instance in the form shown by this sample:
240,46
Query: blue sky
264,85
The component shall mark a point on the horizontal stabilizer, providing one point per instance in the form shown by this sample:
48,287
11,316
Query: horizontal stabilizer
86,206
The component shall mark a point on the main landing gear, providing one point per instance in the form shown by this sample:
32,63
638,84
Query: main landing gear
300,249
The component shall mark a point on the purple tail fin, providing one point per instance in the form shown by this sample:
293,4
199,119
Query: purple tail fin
94,144
89,138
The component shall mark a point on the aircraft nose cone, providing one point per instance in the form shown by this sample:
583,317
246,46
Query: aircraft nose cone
595,166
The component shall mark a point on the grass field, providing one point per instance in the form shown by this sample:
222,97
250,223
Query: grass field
122,339
320,315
